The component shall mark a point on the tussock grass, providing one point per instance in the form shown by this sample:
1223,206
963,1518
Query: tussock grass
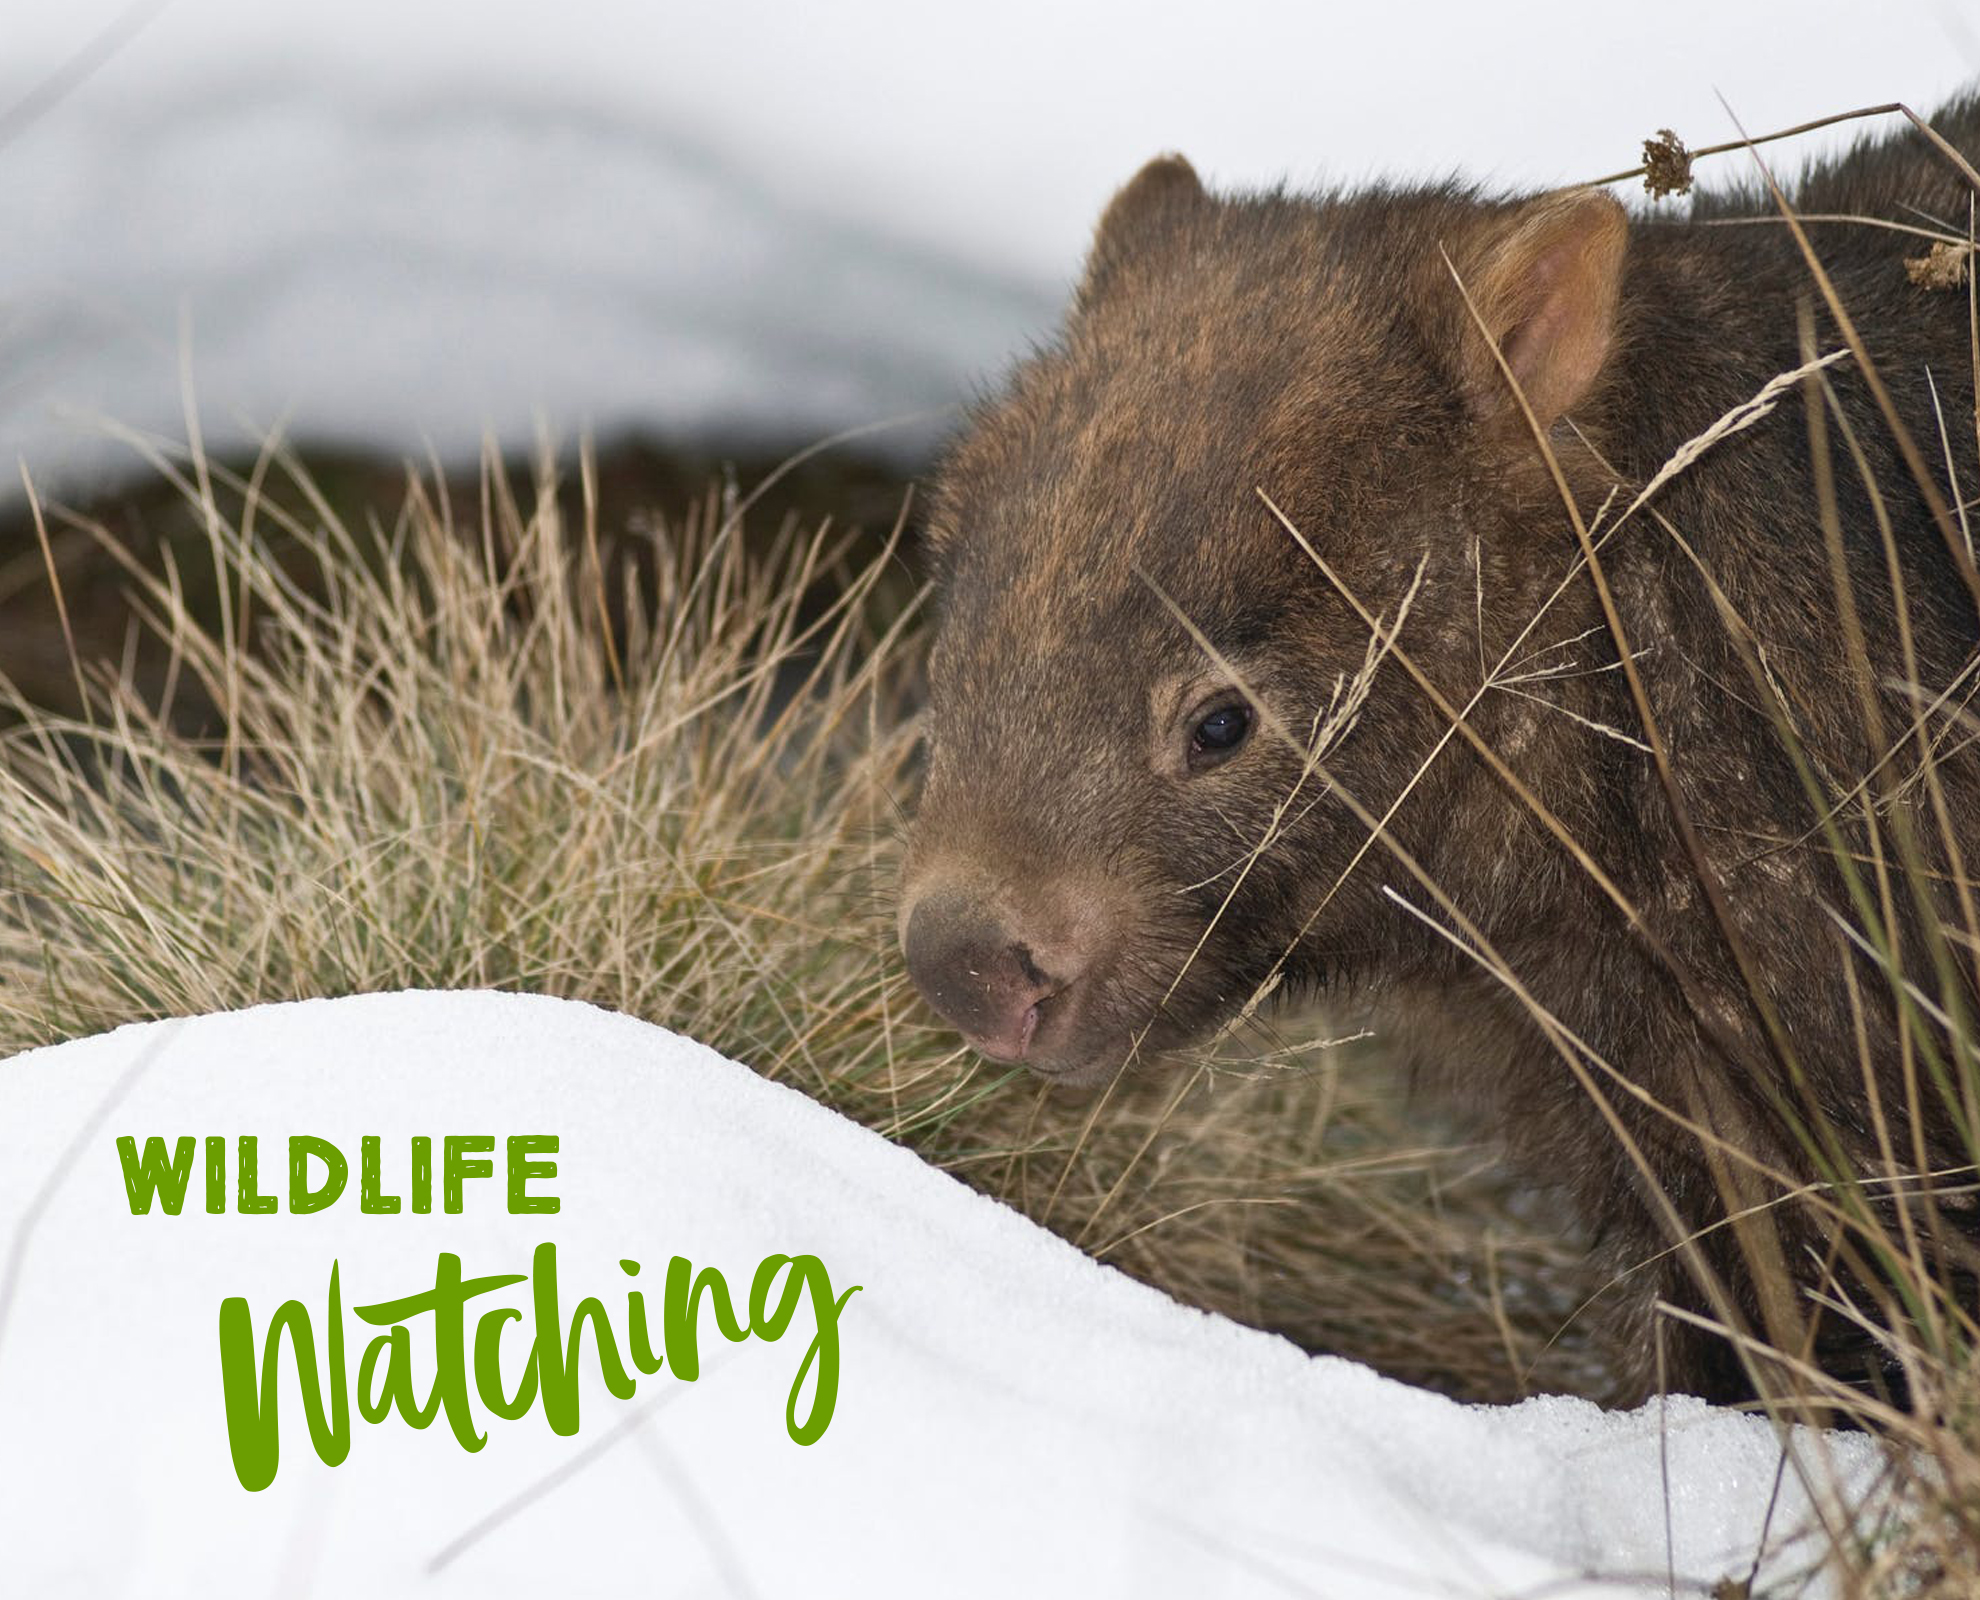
488,744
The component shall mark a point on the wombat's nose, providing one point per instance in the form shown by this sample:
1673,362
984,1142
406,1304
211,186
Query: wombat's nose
970,969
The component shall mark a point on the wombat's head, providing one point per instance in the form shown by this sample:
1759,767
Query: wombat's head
1143,690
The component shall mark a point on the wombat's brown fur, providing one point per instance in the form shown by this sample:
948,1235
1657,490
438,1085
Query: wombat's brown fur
1134,655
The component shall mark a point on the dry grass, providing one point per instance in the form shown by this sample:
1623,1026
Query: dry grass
478,746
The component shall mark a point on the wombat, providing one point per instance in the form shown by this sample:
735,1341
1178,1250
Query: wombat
1270,656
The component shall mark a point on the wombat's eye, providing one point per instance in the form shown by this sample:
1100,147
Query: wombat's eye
1218,736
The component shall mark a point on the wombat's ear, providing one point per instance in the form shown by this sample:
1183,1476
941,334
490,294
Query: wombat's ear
1544,285
1154,200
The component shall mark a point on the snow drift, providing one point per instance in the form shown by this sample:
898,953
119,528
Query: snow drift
1011,1417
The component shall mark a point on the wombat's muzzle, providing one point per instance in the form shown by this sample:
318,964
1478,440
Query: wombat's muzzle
978,973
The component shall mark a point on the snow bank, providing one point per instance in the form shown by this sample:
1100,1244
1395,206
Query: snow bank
1011,1418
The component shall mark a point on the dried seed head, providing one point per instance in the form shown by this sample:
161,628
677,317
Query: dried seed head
1945,266
1666,165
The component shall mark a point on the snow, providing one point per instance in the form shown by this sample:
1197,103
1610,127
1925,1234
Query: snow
385,223
1012,1418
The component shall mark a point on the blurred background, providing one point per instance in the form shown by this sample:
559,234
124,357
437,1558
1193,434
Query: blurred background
704,236
391,224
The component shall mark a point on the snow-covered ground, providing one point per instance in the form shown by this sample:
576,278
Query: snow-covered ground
1011,1418
398,221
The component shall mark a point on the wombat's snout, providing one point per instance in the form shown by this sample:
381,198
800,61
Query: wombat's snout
990,975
